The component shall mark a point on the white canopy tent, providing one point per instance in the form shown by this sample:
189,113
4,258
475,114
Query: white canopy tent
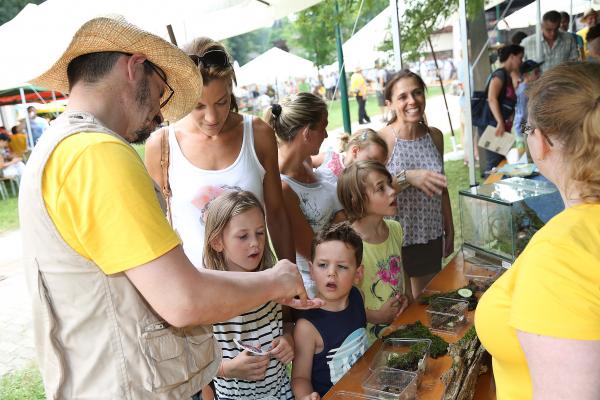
58,20
274,66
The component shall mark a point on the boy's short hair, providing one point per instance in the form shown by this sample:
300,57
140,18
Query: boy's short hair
343,232
351,187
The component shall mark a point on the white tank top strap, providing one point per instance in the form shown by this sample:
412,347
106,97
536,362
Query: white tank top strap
248,144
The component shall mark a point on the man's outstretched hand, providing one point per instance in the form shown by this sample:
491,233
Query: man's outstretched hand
291,287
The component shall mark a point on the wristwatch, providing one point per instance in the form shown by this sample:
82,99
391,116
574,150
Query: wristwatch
401,180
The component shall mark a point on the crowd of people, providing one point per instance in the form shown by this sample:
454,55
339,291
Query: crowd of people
157,279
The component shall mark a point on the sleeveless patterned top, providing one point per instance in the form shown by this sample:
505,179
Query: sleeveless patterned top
419,214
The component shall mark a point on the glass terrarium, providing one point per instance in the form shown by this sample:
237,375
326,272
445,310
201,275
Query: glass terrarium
499,219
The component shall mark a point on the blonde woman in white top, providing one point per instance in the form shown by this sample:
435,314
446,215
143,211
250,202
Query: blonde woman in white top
214,148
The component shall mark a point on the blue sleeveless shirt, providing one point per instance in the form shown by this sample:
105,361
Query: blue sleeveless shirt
344,341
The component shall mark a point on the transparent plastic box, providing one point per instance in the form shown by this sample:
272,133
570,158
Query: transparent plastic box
499,219
393,384
481,275
403,354
447,315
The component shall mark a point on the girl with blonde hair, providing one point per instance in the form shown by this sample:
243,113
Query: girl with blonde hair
365,144
215,148
236,240
300,122
540,321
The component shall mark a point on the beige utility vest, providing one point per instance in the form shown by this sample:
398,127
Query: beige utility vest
96,337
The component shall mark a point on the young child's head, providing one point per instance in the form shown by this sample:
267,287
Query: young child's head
336,261
365,188
365,144
530,70
235,235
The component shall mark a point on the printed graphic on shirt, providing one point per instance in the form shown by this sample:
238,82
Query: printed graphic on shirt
335,164
206,194
341,359
390,272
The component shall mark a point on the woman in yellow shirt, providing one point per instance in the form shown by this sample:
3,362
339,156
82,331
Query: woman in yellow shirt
541,319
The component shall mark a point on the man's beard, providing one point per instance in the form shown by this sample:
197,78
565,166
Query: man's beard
142,98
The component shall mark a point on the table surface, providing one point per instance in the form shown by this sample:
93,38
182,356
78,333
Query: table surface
450,278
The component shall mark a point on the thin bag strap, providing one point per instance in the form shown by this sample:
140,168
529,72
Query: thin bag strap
164,166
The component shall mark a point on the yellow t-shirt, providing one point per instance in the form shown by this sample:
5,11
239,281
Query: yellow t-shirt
18,144
553,289
103,204
358,86
583,33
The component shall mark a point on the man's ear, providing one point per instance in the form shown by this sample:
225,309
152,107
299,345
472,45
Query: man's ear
134,62
358,276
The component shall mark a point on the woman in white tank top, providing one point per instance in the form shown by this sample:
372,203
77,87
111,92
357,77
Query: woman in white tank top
300,123
214,148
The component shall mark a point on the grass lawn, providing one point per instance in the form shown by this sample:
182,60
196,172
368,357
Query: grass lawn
25,384
9,218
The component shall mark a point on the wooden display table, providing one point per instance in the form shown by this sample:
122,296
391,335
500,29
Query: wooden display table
450,278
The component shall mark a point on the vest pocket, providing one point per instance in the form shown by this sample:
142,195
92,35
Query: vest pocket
166,356
201,348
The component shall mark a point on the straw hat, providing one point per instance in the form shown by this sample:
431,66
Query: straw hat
589,13
114,33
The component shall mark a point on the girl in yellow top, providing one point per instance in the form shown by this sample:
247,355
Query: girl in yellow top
541,319
365,190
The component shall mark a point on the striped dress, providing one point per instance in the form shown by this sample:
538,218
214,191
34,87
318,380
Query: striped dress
258,327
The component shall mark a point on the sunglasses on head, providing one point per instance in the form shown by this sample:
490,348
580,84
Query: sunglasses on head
212,58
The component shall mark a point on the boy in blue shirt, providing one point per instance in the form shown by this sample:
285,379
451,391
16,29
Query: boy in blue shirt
329,341
530,71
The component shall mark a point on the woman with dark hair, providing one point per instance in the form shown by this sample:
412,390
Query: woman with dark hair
502,95
416,158
214,148
540,321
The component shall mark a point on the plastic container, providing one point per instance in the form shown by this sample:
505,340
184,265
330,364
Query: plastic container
393,384
343,395
400,354
481,276
447,315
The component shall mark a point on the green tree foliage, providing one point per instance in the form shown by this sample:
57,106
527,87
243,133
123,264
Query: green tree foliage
421,19
10,8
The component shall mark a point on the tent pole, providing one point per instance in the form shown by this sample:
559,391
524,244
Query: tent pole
27,122
396,38
469,145
342,77
437,71
538,31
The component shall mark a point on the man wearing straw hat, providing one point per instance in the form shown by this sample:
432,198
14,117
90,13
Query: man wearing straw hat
119,311
590,19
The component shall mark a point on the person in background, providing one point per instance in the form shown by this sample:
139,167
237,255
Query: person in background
593,42
213,148
589,19
564,27
18,142
358,87
416,161
365,190
502,91
557,46
38,124
300,122
379,84
328,342
365,144
11,166
236,240
530,72
544,312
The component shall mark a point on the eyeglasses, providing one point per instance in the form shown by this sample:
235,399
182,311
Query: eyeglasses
216,58
163,77
528,130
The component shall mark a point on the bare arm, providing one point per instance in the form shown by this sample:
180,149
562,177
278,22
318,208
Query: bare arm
152,157
562,368
304,350
317,160
185,296
277,219
303,233
494,102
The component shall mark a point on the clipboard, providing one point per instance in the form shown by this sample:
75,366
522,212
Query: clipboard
497,144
